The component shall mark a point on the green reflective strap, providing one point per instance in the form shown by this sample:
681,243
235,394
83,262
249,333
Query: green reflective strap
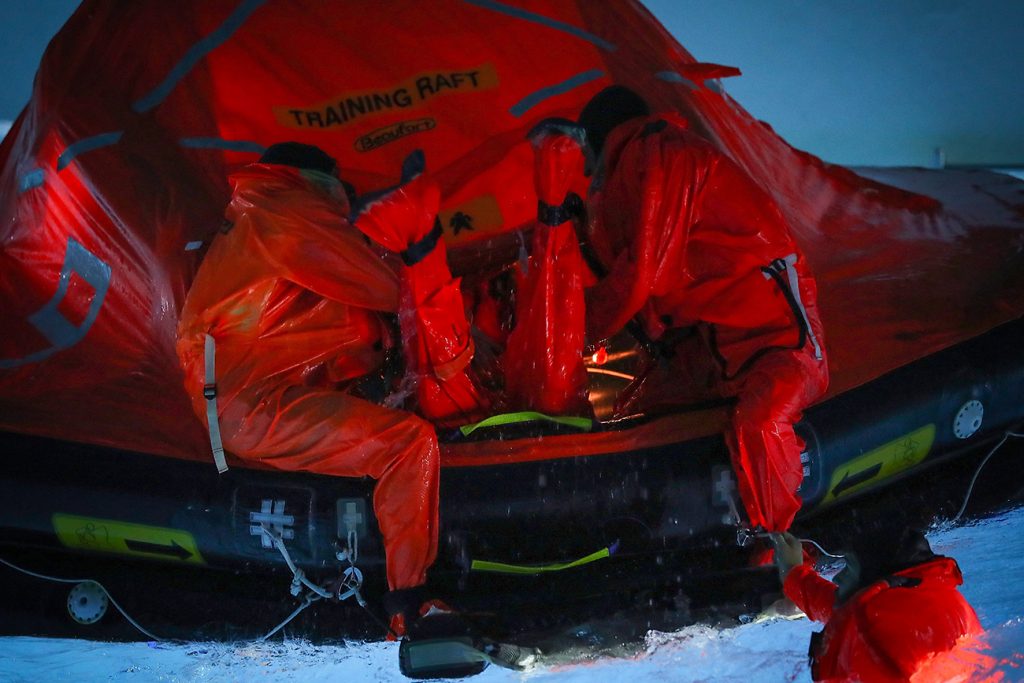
500,567
581,423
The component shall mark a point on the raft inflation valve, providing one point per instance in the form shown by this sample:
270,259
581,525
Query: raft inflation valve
968,419
87,602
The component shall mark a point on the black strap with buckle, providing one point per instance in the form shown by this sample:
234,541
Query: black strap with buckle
571,207
417,251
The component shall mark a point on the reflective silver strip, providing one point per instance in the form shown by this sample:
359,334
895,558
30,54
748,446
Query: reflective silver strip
526,15
538,96
674,77
31,179
58,330
87,145
212,421
196,53
794,288
220,143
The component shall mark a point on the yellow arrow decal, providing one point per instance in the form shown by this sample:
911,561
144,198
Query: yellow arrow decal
125,538
881,463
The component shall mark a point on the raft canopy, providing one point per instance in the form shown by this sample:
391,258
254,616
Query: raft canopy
114,181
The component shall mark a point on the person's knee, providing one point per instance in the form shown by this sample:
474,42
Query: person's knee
778,392
761,402
422,439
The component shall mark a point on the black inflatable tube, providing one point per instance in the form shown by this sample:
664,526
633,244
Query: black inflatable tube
657,500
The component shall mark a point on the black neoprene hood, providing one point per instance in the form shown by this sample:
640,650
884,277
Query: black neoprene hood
307,157
607,109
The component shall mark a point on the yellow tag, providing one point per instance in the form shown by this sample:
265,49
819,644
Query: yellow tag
881,463
478,216
125,538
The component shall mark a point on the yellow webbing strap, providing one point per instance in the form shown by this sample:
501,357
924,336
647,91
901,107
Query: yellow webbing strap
502,568
581,423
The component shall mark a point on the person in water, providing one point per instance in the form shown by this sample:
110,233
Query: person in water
890,614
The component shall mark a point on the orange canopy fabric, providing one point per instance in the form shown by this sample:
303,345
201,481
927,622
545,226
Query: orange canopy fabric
113,181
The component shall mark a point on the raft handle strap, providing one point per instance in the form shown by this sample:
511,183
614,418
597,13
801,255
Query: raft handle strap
210,395
349,585
582,423
503,568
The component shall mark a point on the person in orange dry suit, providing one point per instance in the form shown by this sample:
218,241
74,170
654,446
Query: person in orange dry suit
893,614
295,301
683,239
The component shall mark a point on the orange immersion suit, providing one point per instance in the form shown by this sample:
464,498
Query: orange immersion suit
890,630
690,241
292,295
543,360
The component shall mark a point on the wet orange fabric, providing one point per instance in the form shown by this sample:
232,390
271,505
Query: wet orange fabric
543,360
765,450
689,240
886,634
435,331
292,293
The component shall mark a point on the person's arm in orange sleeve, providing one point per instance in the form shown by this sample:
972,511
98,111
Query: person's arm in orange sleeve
659,199
813,594
435,332
621,293
801,584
